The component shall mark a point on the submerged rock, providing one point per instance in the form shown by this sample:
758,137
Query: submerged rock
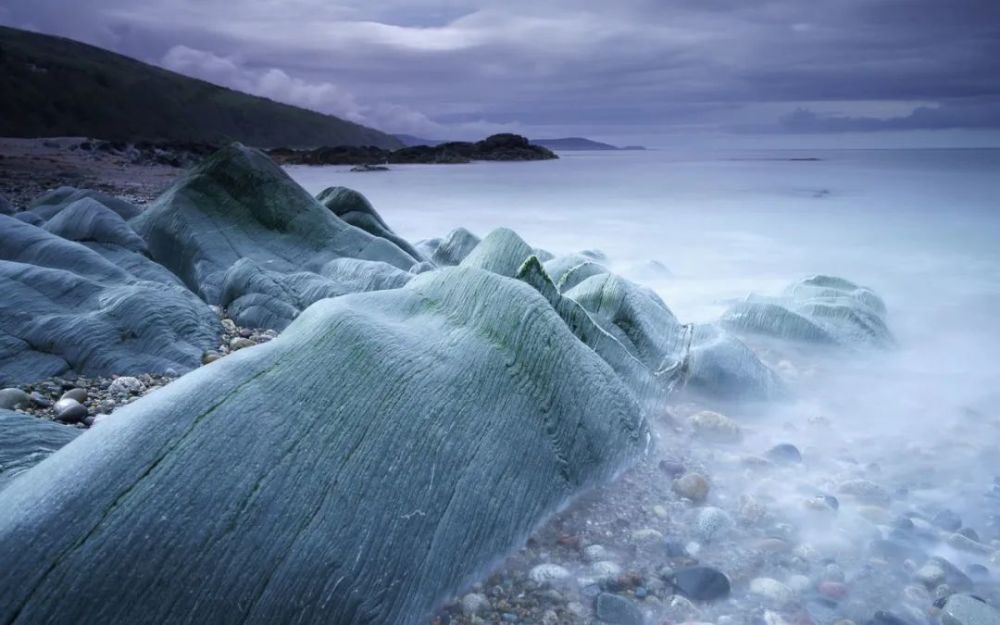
350,500
701,583
617,610
819,309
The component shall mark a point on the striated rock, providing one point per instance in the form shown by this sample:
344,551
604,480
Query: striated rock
355,209
28,440
819,309
240,233
67,307
272,479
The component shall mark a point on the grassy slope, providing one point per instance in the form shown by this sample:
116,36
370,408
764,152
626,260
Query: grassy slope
50,86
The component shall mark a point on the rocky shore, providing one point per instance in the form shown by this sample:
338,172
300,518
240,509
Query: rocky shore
294,414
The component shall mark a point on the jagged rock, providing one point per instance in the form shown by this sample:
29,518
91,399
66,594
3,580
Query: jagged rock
66,307
368,461
819,309
238,205
26,441
355,209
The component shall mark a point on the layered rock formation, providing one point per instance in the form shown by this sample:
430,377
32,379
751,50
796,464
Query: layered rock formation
819,309
424,407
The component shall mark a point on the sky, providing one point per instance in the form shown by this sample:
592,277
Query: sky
745,73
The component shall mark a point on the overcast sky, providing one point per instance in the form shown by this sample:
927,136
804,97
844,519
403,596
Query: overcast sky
659,72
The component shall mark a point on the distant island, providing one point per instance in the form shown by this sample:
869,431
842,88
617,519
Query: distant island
580,143
500,147
565,144
57,87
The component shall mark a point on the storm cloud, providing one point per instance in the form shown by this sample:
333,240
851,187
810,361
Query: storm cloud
458,68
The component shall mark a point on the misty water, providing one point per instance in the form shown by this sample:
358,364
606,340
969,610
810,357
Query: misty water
918,422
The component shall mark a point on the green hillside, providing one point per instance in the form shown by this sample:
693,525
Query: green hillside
53,86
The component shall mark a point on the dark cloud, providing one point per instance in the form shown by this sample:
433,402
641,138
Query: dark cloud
464,67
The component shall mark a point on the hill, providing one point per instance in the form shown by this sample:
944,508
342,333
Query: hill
579,143
53,86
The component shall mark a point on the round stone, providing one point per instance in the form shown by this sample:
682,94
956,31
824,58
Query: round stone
474,603
11,398
617,610
712,523
70,411
239,343
546,573
692,486
125,386
79,394
701,583
715,427
772,590
785,453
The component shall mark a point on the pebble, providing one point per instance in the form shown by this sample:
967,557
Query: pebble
474,603
799,583
929,575
712,523
239,343
210,356
617,610
11,398
79,394
595,553
126,385
701,583
832,590
646,535
671,468
693,486
716,427
785,453
966,610
660,511
771,589
865,491
70,411
605,569
544,573
964,543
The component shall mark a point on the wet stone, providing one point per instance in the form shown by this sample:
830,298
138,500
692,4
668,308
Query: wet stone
785,453
701,583
617,610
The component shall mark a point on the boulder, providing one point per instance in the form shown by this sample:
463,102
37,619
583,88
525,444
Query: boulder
361,467
66,307
819,309
355,209
238,205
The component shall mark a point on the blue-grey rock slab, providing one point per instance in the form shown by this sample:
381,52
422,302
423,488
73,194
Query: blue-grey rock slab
360,468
